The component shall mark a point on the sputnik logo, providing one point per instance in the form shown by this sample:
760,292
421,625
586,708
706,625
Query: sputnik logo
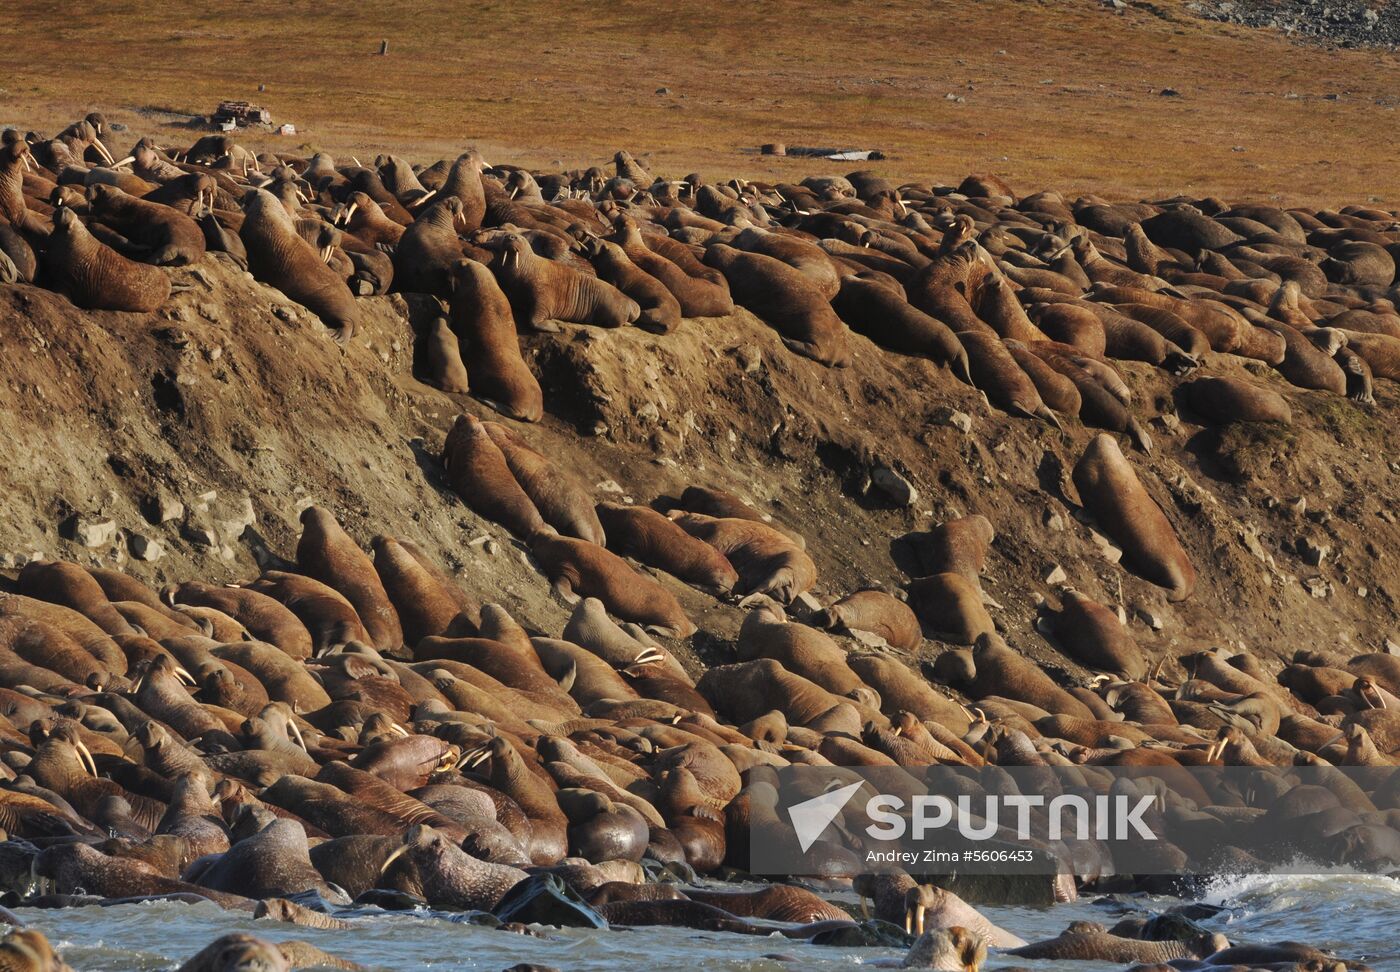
810,818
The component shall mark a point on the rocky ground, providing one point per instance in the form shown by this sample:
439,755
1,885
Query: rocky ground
185,445
1348,23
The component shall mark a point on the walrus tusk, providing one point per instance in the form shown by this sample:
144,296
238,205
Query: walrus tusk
295,733
28,162
515,192
394,855
102,151
326,254
647,656
474,757
126,161
356,161
399,730
85,757
426,196
185,676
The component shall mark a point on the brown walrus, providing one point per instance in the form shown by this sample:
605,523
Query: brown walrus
768,562
278,256
541,290
481,319
578,568
442,358
327,553
878,613
1112,494
478,473
96,277
561,499
787,300
660,311
651,538
154,233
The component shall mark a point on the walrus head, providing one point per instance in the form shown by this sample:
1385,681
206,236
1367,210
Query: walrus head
66,221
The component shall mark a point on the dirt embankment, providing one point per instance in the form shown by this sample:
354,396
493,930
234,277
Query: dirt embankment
197,435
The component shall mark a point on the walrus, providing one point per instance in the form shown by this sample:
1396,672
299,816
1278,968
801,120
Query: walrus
264,617
785,299
1089,941
425,605
767,633
327,553
464,183
93,275
327,614
1306,365
429,249
541,290
237,952
156,234
884,316
879,614
956,546
560,498
1222,401
768,561
278,256
700,291
952,949
481,319
652,539
1112,494
996,373
950,605
660,311
1058,391
1092,635
578,568
993,668
442,358
27,950
477,472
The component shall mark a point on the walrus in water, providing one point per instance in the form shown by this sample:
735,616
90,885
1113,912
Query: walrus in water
278,256
237,952
1112,494
27,950
96,277
541,290
481,319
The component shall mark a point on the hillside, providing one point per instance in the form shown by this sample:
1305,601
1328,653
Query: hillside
233,390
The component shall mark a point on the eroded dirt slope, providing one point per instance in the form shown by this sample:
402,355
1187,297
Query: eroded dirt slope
234,391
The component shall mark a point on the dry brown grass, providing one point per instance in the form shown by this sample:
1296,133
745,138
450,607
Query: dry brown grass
1057,94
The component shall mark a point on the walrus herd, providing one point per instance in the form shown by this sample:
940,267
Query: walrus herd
359,728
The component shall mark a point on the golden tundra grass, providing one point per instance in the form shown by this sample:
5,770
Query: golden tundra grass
1055,94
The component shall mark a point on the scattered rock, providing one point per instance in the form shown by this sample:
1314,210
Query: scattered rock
145,548
894,485
1056,575
91,531
1312,550
951,417
1169,93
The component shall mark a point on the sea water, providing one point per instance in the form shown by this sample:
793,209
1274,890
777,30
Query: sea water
1358,916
